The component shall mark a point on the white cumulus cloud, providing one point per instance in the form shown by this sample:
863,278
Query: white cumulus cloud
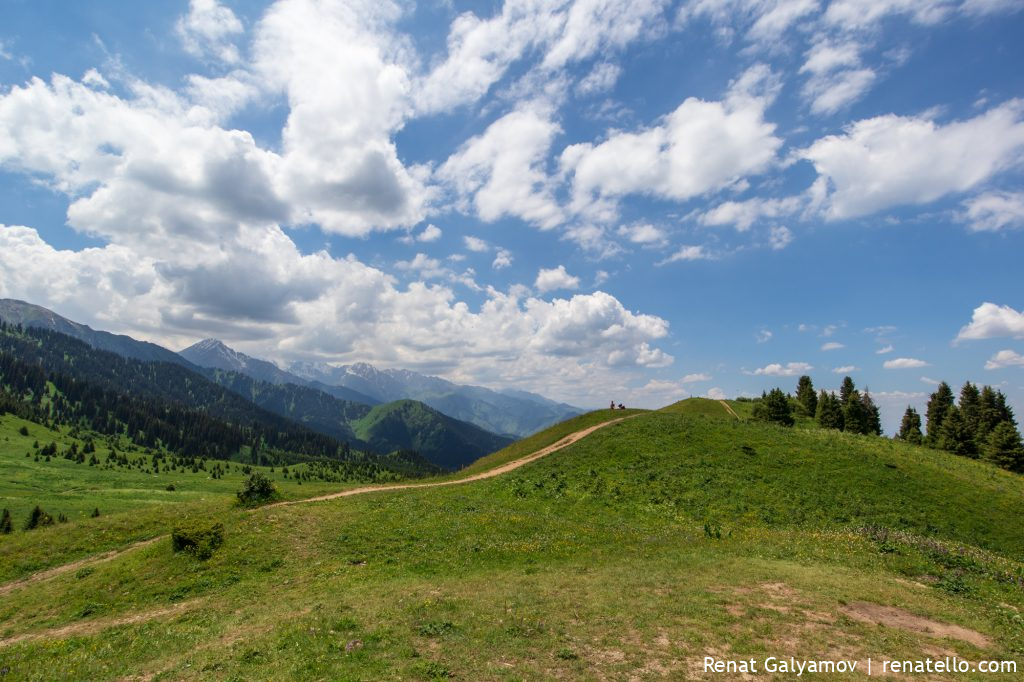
1005,358
904,363
790,369
887,161
990,321
555,278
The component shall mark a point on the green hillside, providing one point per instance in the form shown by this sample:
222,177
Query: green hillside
631,554
412,425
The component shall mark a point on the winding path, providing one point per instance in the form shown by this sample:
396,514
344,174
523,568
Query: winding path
490,473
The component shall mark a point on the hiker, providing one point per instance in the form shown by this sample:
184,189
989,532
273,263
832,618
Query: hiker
613,406
621,406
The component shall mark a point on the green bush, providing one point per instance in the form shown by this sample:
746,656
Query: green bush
257,490
198,538
37,518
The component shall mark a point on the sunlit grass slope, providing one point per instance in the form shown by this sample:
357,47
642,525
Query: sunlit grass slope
629,555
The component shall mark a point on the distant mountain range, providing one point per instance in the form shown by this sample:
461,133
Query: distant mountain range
373,421
213,354
512,413
517,413
28,315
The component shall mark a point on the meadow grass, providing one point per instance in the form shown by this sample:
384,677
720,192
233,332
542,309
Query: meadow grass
628,555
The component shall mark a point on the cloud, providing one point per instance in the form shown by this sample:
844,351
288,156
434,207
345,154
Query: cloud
845,369
430,233
695,378
930,381
476,244
423,266
502,171
884,350
831,92
502,259
864,14
716,393
780,237
699,148
207,29
743,214
990,321
643,233
344,72
481,51
904,363
1005,358
555,278
832,345
688,253
763,23
994,211
601,79
763,336
790,369
887,161
340,310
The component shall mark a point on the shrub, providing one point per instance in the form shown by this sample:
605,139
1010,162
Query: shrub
5,523
197,537
95,512
37,518
257,490
23,430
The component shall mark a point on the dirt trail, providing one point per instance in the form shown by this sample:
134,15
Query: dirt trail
94,626
73,566
490,473
728,408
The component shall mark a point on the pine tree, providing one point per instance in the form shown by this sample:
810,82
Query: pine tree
774,407
6,526
855,417
970,411
1004,447
910,427
939,405
806,396
37,518
874,417
846,390
830,411
953,435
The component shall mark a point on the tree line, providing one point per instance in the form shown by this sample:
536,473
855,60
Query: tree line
981,425
852,410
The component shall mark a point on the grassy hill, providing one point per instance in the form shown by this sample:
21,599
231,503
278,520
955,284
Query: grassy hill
409,424
631,554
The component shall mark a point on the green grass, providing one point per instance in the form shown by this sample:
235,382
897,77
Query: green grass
631,554
699,407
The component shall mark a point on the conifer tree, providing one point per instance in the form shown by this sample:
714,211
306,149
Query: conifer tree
37,518
855,417
910,427
873,416
1004,447
6,526
970,411
830,411
806,396
846,390
939,405
774,407
953,434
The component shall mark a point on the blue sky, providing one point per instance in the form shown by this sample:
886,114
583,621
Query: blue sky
639,200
